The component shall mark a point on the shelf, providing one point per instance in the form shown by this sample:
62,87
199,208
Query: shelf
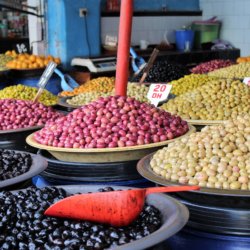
193,57
154,13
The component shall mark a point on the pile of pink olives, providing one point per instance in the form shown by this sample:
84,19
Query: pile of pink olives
16,114
110,122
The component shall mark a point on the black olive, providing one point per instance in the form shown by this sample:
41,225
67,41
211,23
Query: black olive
23,246
6,246
13,164
164,72
32,246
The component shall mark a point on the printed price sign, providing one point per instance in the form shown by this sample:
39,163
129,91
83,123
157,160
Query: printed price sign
158,92
247,81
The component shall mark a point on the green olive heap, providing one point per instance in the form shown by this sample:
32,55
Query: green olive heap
139,92
22,92
220,99
235,71
216,157
86,98
188,83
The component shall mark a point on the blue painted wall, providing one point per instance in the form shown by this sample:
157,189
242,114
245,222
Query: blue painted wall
67,33
160,4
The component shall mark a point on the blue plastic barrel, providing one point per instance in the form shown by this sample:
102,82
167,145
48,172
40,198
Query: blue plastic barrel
196,240
184,39
53,85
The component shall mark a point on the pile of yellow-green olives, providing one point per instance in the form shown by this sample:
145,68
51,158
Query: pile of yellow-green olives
219,99
216,157
139,92
4,59
189,83
235,71
23,92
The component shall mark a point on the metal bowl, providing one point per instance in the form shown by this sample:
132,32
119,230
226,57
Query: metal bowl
206,196
39,164
62,101
174,216
118,154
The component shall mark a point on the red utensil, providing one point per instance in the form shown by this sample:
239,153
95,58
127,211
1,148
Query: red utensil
117,208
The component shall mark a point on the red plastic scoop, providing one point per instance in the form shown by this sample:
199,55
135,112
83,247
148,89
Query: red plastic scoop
117,208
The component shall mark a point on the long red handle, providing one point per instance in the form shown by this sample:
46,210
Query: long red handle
124,38
170,189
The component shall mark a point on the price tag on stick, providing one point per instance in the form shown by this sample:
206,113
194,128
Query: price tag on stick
247,81
158,92
44,79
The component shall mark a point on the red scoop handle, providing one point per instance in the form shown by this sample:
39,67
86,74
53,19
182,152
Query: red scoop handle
170,189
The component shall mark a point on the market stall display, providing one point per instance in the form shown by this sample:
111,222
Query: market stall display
212,65
16,114
100,84
238,71
189,82
216,157
220,99
162,215
121,128
22,92
19,166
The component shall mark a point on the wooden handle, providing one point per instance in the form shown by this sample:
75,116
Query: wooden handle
149,65
170,189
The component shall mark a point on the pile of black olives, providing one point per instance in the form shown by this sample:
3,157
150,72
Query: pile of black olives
164,71
13,164
23,225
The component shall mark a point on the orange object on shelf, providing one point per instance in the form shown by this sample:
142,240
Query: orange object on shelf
243,59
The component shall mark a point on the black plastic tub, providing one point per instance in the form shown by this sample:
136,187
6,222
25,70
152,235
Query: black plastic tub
16,139
174,217
192,239
114,173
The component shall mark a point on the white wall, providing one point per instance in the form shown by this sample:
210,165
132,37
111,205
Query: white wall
35,27
235,17
150,28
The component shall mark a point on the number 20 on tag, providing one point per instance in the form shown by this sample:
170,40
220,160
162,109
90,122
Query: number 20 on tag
158,92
